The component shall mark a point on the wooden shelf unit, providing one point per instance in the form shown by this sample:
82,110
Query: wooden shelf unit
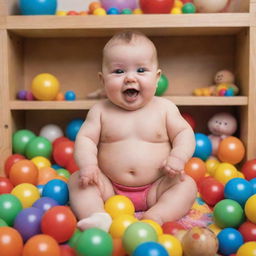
191,49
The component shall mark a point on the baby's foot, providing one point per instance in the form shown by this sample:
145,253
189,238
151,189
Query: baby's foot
100,220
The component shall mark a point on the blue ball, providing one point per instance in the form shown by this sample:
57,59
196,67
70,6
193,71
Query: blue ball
239,190
203,146
56,166
230,240
40,188
253,183
113,11
73,128
150,249
70,95
38,7
57,190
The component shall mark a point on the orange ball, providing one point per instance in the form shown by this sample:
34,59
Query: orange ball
41,245
11,243
60,96
195,168
23,171
231,150
93,6
118,247
46,174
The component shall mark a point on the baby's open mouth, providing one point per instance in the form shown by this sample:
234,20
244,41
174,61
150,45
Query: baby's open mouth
131,94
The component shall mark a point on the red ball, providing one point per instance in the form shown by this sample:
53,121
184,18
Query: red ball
212,191
72,166
59,222
249,169
63,152
10,161
189,119
66,250
5,186
156,6
171,227
248,231
59,140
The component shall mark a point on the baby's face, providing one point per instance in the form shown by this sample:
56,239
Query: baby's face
129,73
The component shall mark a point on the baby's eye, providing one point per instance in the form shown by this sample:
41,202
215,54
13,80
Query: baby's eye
141,70
118,71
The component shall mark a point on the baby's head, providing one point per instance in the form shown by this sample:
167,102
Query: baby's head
130,70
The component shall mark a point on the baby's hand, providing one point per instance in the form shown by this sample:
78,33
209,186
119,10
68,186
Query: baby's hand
90,176
174,166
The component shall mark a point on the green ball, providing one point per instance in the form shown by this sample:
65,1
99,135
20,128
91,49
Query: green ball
162,85
10,206
63,172
228,213
188,8
3,223
39,146
94,242
126,11
72,241
137,233
20,139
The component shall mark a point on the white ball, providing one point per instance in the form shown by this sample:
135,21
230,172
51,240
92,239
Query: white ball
51,132
207,6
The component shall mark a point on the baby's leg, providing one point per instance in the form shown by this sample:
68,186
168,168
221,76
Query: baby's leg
170,199
88,203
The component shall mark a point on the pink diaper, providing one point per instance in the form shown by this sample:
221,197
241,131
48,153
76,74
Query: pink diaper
138,195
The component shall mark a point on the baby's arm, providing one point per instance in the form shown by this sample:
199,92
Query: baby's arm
182,139
86,148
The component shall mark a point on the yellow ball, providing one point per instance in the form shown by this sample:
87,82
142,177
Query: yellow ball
137,11
61,13
247,249
119,225
155,226
171,244
225,172
26,193
240,175
214,228
99,12
41,161
45,86
211,166
176,10
119,205
178,4
250,209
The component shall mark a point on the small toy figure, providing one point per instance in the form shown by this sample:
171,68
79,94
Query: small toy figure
221,125
224,85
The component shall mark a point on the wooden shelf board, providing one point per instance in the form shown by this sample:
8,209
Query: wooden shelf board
151,24
86,104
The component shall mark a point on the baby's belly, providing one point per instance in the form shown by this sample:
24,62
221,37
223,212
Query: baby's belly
132,163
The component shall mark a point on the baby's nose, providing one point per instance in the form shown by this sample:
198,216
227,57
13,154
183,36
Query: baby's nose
130,78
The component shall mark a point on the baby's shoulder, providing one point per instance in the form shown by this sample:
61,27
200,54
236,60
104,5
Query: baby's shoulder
164,103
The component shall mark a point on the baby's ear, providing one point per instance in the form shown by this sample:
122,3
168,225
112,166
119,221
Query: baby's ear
158,74
100,75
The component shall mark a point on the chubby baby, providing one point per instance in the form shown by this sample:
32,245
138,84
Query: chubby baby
132,143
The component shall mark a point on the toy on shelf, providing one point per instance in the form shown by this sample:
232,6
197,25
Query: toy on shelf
38,7
119,4
221,125
211,6
223,85
156,6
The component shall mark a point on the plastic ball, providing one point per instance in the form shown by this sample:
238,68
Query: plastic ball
71,165
211,166
249,169
231,150
63,152
94,5
61,13
46,174
188,8
38,7
214,228
228,213
113,11
63,172
195,168
73,128
210,6
21,95
41,245
126,11
176,10
20,140
58,190
28,222
225,172
10,206
118,205
60,96
40,162
70,95
10,161
150,249
230,240
39,146
247,249
72,241
119,4
118,249
162,85
253,183
203,146
155,226
137,11
51,132
248,231
3,223
45,86
250,209
156,6
171,244
30,96
171,227
11,243
98,12
94,242
119,225
66,250
5,185
26,193
239,190
45,203
59,222
190,119
136,234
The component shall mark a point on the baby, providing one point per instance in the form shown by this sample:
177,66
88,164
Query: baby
133,143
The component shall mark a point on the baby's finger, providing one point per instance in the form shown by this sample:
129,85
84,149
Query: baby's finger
182,175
